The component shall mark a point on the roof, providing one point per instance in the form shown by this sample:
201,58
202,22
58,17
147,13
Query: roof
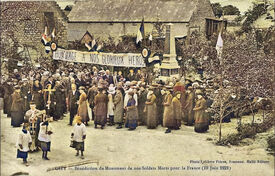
133,10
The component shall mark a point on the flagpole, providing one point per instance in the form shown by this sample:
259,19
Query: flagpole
221,85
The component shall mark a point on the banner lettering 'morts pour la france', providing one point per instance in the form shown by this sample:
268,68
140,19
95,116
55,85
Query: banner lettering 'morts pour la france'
110,59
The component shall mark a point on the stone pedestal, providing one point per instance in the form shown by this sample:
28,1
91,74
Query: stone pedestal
169,68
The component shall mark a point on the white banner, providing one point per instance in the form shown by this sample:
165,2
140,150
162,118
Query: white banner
110,59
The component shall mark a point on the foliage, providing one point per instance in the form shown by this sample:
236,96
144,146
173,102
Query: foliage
271,143
252,15
217,9
230,10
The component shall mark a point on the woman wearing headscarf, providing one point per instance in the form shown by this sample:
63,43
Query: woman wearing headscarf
83,107
118,108
131,112
151,110
201,120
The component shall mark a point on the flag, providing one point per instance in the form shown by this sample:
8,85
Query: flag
150,37
140,33
53,35
219,45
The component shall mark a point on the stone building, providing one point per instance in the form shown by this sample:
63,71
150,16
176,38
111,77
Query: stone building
116,18
22,26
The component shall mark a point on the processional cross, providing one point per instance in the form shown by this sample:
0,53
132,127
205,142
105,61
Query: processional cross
49,95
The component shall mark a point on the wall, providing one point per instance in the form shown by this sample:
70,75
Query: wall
102,31
203,10
22,25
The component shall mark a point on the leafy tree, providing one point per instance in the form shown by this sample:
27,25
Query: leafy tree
217,9
231,10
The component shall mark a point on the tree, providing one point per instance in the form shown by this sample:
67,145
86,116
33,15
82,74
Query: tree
230,10
217,9
244,66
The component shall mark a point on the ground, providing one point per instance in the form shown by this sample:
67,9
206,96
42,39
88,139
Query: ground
143,148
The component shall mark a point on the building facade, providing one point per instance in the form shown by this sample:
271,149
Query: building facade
22,26
116,18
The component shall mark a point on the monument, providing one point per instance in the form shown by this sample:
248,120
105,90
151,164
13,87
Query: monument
169,68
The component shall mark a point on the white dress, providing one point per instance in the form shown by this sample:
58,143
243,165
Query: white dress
110,105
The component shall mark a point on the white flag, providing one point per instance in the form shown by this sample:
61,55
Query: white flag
150,37
219,45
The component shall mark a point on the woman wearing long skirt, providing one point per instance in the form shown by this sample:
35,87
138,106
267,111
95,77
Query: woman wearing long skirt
83,107
151,110
17,111
131,112
118,112
201,120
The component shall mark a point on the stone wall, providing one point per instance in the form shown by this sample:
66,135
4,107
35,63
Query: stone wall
203,10
103,31
22,26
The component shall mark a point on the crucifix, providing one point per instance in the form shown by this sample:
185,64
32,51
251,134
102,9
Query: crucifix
49,95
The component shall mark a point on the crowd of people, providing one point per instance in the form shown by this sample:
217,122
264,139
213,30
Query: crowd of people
40,96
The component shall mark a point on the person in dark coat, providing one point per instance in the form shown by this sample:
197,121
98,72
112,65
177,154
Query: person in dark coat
17,112
8,90
73,98
101,101
131,76
141,105
107,77
59,101
131,113
91,97
26,94
37,95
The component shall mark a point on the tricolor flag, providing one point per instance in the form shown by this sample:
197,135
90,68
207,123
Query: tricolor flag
140,33
219,45
91,46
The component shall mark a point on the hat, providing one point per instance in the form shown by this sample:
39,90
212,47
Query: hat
24,79
81,88
178,92
16,87
199,92
133,82
131,93
168,87
155,85
112,90
151,88
128,83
